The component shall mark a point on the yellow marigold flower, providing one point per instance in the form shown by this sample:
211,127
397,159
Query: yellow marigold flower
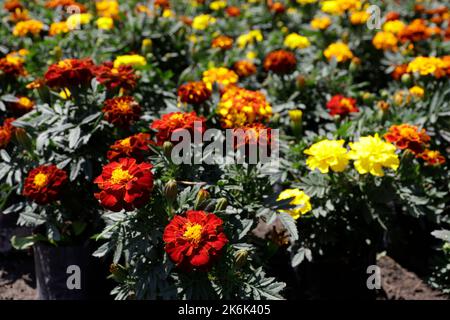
107,8
58,27
75,20
17,57
321,23
339,50
385,41
299,199
426,65
394,26
296,41
359,17
251,55
131,59
331,7
202,21
327,154
417,92
303,2
249,38
23,28
217,5
167,13
105,23
221,76
295,115
371,155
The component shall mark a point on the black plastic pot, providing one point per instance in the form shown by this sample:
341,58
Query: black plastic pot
56,268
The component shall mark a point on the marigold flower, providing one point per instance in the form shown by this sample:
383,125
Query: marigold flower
256,134
124,185
239,107
12,5
121,111
299,199
342,106
327,154
233,11
135,146
296,41
392,15
70,73
432,157
399,71
52,4
395,26
105,23
415,31
417,92
222,76
11,68
244,68
44,184
359,17
217,5
427,66
201,22
75,20
251,37
194,92
174,121
23,28
194,240
133,60
222,42
320,23
112,78
406,136
107,8
371,154
339,50
277,8
280,62
338,7
22,105
385,41
6,130
58,28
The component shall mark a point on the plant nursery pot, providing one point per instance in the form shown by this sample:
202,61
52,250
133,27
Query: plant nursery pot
61,272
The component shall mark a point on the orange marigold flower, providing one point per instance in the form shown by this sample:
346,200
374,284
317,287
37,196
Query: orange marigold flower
341,105
239,107
12,5
174,121
415,31
385,41
165,4
44,184
124,185
121,111
52,4
194,92
280,61
399,71
277,8
233,11
58,27
406,136
194,240
123,77
11,69
253,134
222,42
432,157
221,76
135,146
244,68
23,28
22,105
6,131
392,15
70,73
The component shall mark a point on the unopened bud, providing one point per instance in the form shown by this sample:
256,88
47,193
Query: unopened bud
57,52
22,138
171,190
118,272
221,204
147,46
202,196
406,79
241,257
296,121
167,149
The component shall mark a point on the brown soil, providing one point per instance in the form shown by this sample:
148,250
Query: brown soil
17,277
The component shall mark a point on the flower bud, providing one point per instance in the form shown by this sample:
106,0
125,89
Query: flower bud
147,45
23,138
171,190
118,272
167,149
368,97
241,257
57,52
202,196
406,79
221,204
296,121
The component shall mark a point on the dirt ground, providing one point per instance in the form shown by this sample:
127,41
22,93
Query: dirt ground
17,280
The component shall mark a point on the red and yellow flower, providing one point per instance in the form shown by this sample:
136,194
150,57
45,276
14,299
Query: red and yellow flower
406,136
244,68
174,121
22,105
341,105
124,184
6,131
44,184
280,61
194,240
121,111
194,92
432,157
222,42
24,28
256,134
70,73
135,146
122,77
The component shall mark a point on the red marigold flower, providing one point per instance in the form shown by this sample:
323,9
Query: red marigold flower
194,240
22,105
136,146
70,73
392,15
415,31
277,8
11,69
194,92
280,61
253,134
12,5
6,131
165,4
244,68
122,77
222,42
44,184
406,136
432,157
121,111
52,4
174,121
233,11
342,106
124,185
